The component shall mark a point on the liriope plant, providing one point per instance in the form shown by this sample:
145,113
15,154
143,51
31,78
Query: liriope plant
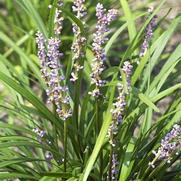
82,89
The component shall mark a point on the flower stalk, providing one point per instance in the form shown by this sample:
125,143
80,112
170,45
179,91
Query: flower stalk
148,34
117,118
51,69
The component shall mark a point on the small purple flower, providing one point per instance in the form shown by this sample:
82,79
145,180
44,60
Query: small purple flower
170,144
48,156
40,134
99,39
79,8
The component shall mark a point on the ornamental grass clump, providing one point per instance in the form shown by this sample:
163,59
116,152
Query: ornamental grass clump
76,105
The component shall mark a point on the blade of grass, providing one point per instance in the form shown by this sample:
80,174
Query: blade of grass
32,12
129,19
33,67
114,37
19,42
32,99
148,102
16,176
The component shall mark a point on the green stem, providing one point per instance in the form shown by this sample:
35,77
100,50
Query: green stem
76,101
101,164
76,109
110,164
54,127
149,77
65,145
97,120
98,127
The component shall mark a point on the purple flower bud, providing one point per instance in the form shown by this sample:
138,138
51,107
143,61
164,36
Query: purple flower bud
40,134
48,156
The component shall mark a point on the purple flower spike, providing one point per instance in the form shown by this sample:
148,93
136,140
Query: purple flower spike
114,169
58,21
148,35
99,39
170,144
50,68
48,156
119,105
117,117
41,41
80,40
79,8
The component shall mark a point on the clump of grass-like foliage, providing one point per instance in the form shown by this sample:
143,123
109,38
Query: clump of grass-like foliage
90,91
